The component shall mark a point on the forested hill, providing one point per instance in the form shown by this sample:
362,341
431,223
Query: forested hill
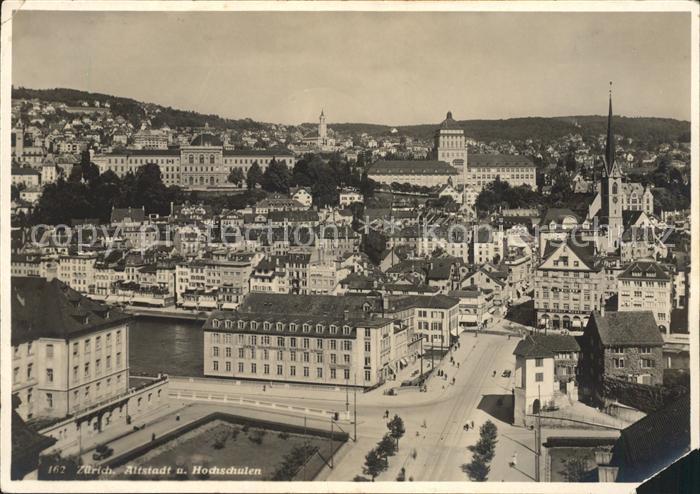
549,129
135,111
645,129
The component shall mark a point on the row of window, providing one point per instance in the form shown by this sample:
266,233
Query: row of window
281,341
279,326
306,371
253,353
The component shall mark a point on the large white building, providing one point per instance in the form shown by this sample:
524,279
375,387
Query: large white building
203,163
68,352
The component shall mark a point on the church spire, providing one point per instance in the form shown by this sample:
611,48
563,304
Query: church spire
610,144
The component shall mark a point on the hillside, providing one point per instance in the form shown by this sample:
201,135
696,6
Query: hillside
647,130
134,111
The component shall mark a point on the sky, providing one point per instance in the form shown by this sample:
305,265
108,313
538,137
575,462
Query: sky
387,68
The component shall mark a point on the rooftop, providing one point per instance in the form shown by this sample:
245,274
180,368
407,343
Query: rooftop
410,167
632,328
64,313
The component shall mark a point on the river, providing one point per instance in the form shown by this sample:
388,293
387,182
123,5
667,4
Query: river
172,346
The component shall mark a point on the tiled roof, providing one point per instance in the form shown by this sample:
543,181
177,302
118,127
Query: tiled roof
292,216
652,443
307,305
528,348
411,167
632,328
647,270
135,214
557,215
499,160
423,301
63,311
25,171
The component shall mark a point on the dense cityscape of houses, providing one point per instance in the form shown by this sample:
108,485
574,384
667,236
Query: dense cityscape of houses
290,293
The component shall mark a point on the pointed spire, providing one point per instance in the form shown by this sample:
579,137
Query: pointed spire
610,144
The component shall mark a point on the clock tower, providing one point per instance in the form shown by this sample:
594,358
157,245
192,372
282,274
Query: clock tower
611,187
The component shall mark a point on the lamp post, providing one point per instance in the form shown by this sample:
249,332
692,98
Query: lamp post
354,421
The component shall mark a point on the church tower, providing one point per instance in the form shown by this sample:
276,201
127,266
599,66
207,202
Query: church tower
322,131
611,185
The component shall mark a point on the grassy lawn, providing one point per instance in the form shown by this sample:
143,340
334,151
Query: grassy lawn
222,444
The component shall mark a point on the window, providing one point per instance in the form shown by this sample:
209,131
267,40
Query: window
368,375
647,363
319,343
29,371
49,400
645,350
215,364
266,369
538,362
253,368
49,351
75,349
241,353
346,374
49,375
319,358
241,367
305,356
539,377
87,344
346,358
215,351
293,342
333,376
305,343
319,372
293,371
619,363
280,341
334,344
228,352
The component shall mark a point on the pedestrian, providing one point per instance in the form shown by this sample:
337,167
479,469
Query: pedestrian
153,436
472,424
458,365
466,427
264,388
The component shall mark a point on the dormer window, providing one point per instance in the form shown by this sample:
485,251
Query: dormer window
319,328
253,325
334,329
241,324
266,326
228,324
215,323
346,330
280,326
293,327
306,328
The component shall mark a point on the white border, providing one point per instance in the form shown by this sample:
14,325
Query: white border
9,6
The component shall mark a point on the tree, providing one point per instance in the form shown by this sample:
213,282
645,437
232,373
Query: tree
386,447
396,429
478,469
483,452
236,177
254,176
575,469
374,464
276,177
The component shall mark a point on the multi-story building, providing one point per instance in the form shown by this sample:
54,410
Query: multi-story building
151,139
349,196
621,345
474,306
423,173
545,370
294,338
646,286
435,317
28,177
483,169
68,352
78,271
202,163
568,285
450,144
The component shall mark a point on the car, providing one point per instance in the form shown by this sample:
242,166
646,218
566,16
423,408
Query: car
101,452
506,373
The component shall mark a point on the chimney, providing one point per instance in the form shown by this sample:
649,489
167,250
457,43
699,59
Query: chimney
346,315
385,303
